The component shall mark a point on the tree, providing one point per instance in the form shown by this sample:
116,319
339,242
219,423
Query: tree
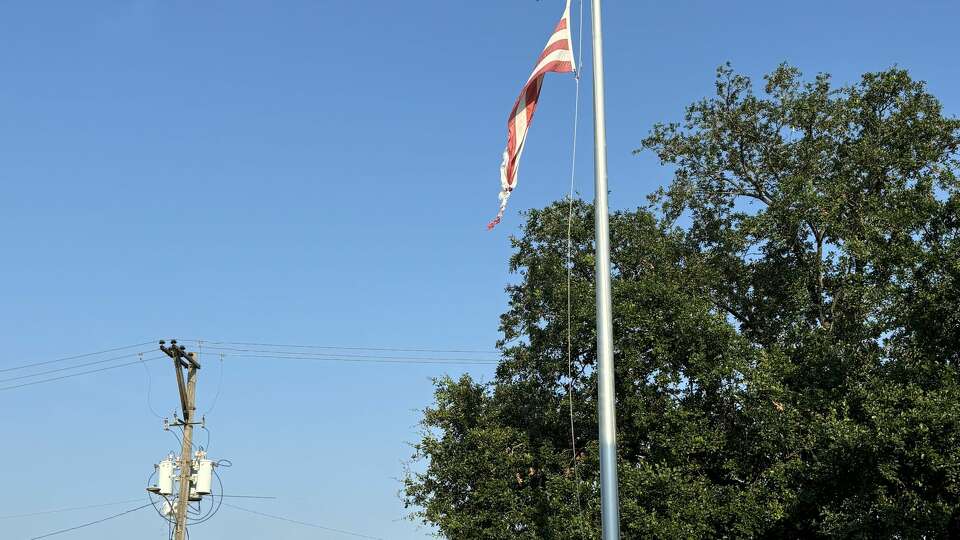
786,325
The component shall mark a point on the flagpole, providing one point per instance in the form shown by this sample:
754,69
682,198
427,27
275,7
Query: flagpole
609,498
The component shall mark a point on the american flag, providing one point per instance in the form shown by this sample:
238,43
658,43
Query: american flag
557,56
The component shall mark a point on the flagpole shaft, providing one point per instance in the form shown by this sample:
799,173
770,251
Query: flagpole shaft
609,498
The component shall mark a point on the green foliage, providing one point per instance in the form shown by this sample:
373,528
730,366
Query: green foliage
787,336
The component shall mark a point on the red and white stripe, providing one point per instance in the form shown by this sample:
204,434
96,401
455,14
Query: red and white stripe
557,56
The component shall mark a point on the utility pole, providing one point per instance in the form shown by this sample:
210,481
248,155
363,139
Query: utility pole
182,360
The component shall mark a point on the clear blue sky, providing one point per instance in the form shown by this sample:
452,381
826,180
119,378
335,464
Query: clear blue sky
315,172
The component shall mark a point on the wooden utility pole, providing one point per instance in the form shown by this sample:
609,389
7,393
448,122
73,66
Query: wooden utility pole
182,360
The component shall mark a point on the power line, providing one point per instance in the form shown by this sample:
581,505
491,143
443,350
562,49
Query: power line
219,388
149,387
348,355
92,522
2,388
84,355
75,366
279,356
304,523
352,348
374,360
70,509
253,353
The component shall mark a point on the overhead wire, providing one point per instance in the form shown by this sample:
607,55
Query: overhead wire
374,360
31,383
350,355
349,348
149,388
76,357
179,441
304,523
92,522
214,510
75,366
303,352
216,397
199,516
69,509
206,447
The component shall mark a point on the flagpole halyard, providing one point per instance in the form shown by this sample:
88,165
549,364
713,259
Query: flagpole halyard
569,263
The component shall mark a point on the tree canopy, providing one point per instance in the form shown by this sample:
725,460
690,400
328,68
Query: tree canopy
786,326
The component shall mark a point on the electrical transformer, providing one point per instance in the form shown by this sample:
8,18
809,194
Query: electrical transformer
165,477
204,476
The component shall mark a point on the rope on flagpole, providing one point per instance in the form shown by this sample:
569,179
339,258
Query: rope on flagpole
573,172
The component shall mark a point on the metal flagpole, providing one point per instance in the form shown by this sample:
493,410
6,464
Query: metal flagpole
609,499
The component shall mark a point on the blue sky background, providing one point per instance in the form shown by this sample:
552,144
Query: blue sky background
315,172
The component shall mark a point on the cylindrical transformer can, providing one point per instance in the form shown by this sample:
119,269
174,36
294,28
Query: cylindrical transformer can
204,476
165,477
